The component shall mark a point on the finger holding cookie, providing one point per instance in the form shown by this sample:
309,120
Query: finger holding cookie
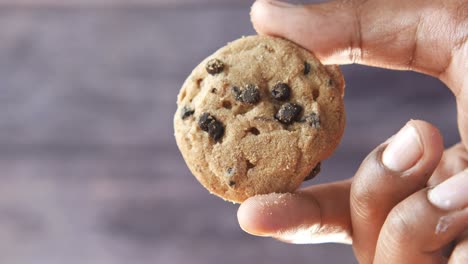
423,36
257,117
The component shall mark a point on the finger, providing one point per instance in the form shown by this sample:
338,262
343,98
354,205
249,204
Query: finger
424,36
391,173
454,160
393,34
316,214
418,228
460,253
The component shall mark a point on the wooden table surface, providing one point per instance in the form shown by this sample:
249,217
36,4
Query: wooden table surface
89,169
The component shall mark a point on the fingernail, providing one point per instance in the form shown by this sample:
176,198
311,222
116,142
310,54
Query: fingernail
452,193
404,150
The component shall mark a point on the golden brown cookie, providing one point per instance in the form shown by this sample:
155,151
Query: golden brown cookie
258,116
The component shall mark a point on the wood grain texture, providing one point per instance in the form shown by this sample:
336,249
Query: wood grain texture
89,169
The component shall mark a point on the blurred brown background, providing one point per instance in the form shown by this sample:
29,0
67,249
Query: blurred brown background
89,169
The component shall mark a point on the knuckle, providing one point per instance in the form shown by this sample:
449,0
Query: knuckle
356,51
460,13
457,20
364,205
369,191
400,224
355,7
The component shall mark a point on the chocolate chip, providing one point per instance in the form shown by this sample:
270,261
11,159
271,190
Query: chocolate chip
281,92
216,130
236,92
230,173
330,82
314,172
250,94
214,66
288,113
306,68
204,120
210,124
313,120
185,112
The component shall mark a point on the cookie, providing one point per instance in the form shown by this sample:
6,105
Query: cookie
258,116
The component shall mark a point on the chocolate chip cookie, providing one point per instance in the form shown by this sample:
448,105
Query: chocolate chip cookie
258,116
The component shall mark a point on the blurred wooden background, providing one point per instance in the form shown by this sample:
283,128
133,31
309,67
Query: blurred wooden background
89,169
123,3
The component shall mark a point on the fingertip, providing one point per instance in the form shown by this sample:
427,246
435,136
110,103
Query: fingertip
276,18
304,24
317,214
249,216
265,215
430,139
418,142
259,14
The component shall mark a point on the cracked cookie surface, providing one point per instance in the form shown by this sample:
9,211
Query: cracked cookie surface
258,116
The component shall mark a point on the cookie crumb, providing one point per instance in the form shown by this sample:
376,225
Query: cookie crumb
281,92
288,113
214,66
185,112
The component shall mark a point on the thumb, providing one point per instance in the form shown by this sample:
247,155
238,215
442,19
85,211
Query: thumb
396,34
321,28
420,35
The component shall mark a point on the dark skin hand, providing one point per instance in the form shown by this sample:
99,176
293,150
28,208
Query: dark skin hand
408,202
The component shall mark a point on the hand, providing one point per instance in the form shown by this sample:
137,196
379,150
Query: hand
386,210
